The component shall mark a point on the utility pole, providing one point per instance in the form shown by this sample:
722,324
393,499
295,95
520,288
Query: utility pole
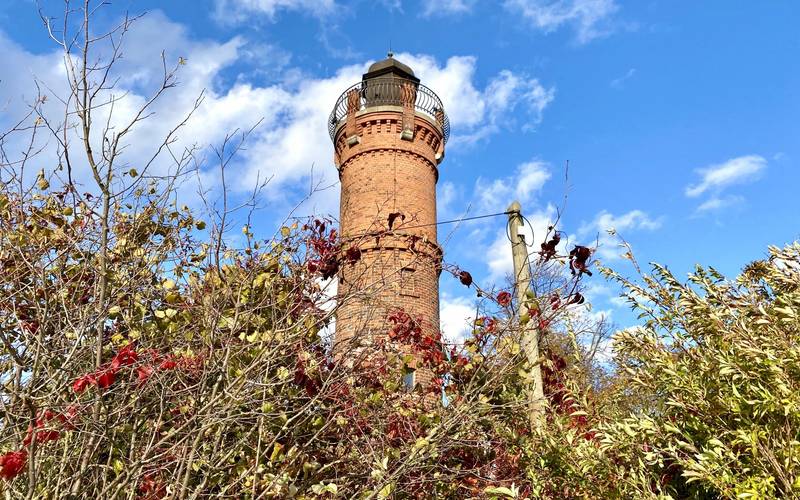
529,338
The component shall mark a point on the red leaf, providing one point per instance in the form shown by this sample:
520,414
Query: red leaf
143,372
12,463
125,357
168,364
106,378
549,248
45,436
82,383
353,254
504,299
576,299
578,258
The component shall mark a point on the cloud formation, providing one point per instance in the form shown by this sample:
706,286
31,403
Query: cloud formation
619,83
494,195
524,186
717,177
588,17
446,7
716,203
498,257
239,10
456,315
598,230
504,94
290,146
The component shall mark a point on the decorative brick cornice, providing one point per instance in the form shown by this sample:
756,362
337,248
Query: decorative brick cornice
383,128
395,240
364,151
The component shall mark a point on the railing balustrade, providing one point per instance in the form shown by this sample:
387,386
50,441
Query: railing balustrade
388,92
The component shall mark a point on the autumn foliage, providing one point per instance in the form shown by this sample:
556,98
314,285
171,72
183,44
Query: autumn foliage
148,353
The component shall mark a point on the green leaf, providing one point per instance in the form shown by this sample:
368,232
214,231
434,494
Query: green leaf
500,490
386,491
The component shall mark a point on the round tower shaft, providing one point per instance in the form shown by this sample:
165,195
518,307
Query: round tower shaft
389,133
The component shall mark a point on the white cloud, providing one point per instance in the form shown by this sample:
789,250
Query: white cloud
597,230
498,255
477,114
716,203
327,302
504,94
619,301
393,4
524,185
292,140
531,177
453,83
508,90
734,171
495,195
445,7
238,10
290,143
269,60
619,82
457,314
446,194
635,219
586,16
595,290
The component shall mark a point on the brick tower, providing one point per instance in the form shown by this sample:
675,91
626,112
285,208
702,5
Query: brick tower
389,133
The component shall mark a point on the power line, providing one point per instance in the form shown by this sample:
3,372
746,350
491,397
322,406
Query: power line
452,221
441,222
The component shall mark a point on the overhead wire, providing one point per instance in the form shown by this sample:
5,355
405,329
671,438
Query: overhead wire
442,222
452,221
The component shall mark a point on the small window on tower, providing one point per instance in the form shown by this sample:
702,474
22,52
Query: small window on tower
408,282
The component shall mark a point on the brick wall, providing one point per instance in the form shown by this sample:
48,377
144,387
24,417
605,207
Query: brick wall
383,172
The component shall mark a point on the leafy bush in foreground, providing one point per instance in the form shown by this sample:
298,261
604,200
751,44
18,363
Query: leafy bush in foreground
712,383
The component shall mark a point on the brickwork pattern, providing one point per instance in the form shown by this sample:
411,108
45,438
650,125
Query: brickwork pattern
382,173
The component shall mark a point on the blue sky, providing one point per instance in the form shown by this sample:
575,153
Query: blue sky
679,119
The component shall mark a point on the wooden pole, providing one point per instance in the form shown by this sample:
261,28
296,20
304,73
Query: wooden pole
529,333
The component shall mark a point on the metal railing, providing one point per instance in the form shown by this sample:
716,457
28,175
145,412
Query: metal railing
388,92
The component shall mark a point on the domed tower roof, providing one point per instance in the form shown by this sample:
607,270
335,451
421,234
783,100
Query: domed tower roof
390,68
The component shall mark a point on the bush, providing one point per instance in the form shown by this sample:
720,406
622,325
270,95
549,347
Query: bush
712,381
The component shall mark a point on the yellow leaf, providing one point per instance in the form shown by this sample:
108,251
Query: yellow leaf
386,491
276,452
42,182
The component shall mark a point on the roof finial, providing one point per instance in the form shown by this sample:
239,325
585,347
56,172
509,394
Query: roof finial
390,54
